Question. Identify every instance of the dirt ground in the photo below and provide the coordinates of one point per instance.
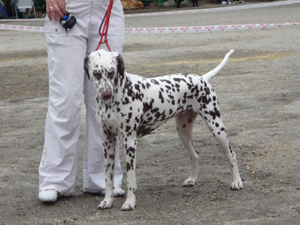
(258, 90)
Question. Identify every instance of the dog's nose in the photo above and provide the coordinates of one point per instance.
(106, 95)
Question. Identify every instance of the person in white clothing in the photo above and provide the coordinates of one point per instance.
(67, 84)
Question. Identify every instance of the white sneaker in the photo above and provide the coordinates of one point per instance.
(48, 196)
(118, 192)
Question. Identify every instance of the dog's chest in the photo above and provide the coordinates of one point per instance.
(115, 116)
(107, 121)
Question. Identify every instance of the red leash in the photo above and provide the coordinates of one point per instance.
(103, 30)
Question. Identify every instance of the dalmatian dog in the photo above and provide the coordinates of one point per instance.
(130, 106)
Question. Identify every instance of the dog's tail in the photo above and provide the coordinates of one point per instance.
(216, 70)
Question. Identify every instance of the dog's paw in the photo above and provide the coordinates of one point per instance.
(237, 185)
(105, 204)
(129, 204)
(189, 182)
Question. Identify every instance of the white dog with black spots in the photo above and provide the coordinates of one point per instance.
(131, 106)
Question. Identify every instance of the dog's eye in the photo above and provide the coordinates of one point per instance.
(97, 75)
(110, 75)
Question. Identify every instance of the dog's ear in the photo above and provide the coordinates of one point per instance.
(121, 66)
(85, 66)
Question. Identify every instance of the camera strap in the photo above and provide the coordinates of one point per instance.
(103, 30)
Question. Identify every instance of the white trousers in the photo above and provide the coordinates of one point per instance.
(67, 82)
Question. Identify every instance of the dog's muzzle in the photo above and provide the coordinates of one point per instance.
(105, 95)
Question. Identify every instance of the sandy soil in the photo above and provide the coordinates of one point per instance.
(258, 91)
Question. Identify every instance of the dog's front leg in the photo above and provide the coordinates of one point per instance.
(109, 145)
(130, 147)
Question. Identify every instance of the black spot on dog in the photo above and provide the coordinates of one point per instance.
(127, 129)
(154, 81)
(215, 113)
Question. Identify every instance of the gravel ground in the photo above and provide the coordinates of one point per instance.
(258, 91)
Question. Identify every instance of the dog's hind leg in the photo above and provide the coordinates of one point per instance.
(212, 117)
(184, 125)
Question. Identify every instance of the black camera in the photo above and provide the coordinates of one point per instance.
(68, 21)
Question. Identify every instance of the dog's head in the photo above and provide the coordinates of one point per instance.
(103, 68)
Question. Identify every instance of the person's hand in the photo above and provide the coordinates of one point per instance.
(55, 9)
